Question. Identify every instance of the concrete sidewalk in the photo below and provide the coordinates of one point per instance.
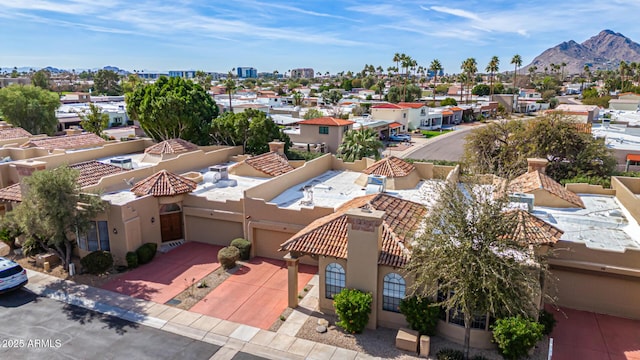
(233, 337)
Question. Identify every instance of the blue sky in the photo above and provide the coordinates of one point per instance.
(268, 35)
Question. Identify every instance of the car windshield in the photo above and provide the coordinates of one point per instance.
(11, 271)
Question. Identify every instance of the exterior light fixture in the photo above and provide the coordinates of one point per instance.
(153, 219)
(115, 231)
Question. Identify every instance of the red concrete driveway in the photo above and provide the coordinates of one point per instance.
(590, 336)
(255, 295)
(168, 274)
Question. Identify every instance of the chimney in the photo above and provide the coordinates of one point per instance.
(537, 164)
(364, 243)
(277, 146)
(25, 168)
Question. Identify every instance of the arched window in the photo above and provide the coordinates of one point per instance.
(334, 280)
(393, 290)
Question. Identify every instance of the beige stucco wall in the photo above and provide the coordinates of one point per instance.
(584, 188)
(243, 169)
(545, 198)
(310, 134)
(627, 191)
(480, 339)
(211, 230)
(596, 280)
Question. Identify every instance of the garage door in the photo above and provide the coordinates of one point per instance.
(212, 231)
(598, 292)
(267, 243)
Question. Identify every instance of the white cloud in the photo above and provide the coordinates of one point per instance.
(456, 12)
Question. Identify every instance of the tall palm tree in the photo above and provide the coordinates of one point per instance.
(470, 67)
(562, 65)
(435, 67)
(462, 78)
(492, 68)
(357, 144)
(516, 60)
(230, 88)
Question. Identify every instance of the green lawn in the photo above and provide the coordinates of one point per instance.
(433, 133)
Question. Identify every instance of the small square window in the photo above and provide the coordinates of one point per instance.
(323, 130)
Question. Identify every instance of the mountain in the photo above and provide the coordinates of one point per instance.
(603, 51)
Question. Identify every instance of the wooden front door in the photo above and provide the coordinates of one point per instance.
(171, 226)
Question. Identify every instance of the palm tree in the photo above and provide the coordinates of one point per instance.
(562, 65)
(532, 72)
(462, 78)
(230, 88)
(357, 144)
(516, 60)
(470, 67)
(435, 67)
(492, 68)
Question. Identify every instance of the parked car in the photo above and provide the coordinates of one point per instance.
(12, 275)
(400, 137)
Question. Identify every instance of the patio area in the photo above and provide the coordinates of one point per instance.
(168, 274)
(586, 335)
(256, 294)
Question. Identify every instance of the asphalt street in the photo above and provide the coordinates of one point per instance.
(448, 148)
(40, 328)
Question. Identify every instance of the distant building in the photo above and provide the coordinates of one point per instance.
(247, 72)
(150, 75)
(185, 74)
(306, 73)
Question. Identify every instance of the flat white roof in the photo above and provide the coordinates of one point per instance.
(119, 197)
(228, 191)
(136, 160)
(603, 225)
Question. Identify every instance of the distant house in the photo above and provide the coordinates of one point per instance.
(324, 131)
(411, 116)
(581, 113)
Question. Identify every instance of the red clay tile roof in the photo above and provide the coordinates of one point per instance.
(271, 163)
(535, 180)
(455, 108)
(13, 133)
(171, 146)
(92, 171)
(327, 236)
(163, 183)
(387, 106)
(447, 112)
(66, 142)
(11, 193)
(390, 167)
(394, 125)
(411, 105)
(327, 121)
(534, 231)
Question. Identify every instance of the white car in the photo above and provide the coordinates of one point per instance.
(12, 275)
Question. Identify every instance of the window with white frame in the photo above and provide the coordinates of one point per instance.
(96, 237)
(393, 291)
(334, 279)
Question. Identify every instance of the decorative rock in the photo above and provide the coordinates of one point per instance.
(323, 322)
(321, 329)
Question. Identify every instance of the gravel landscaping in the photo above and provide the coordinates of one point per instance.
(381, 342)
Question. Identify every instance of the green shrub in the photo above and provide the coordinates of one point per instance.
(244, 246)
(547, 320)
(353, 308)
(515, 336)
(146, 252)
(132, 260)
(97, 262)
(421, 314)
(450, 354)
(228, 256)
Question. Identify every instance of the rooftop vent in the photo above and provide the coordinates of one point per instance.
(218, 176)
(122, 162)
(527, 199)
(307, 200)
(376, 184)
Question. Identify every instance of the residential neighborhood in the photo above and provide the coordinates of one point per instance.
(488, 209)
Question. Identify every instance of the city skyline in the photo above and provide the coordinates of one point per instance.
(327, 36)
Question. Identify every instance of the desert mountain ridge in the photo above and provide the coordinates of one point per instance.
(603, 51)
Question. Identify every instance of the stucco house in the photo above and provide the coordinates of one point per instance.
(325, 131)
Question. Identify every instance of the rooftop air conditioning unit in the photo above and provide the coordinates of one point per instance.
(376, 184)
(528, 199)
(222, 170)
(122, 162)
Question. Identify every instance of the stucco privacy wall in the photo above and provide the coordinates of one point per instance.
(180, 164)
(56, 158)
(627, 192)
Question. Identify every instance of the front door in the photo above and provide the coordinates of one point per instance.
(171, 226)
